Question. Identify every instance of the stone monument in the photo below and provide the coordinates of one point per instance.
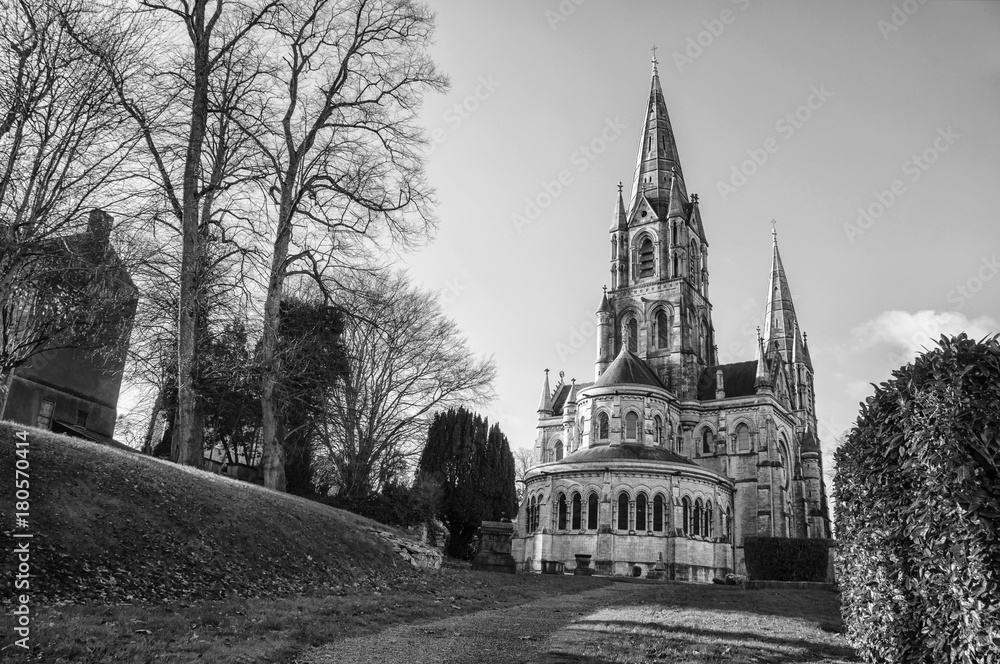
(494, 547)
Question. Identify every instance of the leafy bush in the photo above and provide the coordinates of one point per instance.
(786, 559)
(918, 511)
(397, 505)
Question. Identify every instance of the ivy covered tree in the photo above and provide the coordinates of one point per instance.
(471, 464)
(312, 362)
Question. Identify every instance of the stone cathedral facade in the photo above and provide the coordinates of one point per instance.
(669, 459)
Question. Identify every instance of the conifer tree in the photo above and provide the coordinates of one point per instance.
(472, 464)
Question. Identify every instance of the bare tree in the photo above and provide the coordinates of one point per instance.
(62, 141)
(169, 96)
(406, 360)
(338, 144)
(522, 462)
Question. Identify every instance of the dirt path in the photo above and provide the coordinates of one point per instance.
(501, 636)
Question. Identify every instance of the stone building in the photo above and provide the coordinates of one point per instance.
(669, 456)
(72, 389)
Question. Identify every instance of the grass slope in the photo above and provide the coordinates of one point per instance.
(115, 526)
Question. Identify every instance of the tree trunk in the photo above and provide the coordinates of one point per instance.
(272, 448)
(189, 445)
(147, 440)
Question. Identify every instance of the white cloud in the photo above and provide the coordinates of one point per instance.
(908, 334)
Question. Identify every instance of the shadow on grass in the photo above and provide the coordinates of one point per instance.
(672, 633)
(819, 606)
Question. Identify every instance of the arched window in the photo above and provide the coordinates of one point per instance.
(783, 453)
(706, 441)
(559, 450)
(703, 339)
(696, 518)
(728, 524)
(579, 436)
(640, 512)
(646, 262)
(631, 425)
(742, 438)
(658, 430)
(693, 261)
(674, 230)
(662, 330)
(577, 508)
(614, 248)
(633, 335)
(623, 511)
(686, 515)
(530, 526)
(602, 426)
(707, 530)
(592, 512)
(562, 512)
(677, 262)
(658, 513)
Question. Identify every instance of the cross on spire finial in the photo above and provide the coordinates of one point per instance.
(774, 231)
(619, 187)
(653, 60)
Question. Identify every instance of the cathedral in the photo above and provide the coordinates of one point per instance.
(668, 459)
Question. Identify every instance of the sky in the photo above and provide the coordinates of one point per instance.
(870, 132)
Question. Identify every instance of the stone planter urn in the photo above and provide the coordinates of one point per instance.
(583, 567)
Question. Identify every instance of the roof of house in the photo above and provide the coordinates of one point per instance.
(737, 380)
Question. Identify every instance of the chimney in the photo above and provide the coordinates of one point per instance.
(99, 228)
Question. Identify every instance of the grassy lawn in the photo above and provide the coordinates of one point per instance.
(687, 623)
(274, 630)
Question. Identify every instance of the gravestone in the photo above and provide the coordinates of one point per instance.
(494, 548)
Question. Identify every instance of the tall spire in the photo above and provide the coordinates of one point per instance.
(779, 313)
(657, 153)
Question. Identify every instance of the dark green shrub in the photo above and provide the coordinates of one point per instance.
(786, 559)
(918, 511)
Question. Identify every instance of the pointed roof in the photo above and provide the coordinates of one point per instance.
(805, 351)
(619, 221)
(545, 403)
(657, 153)
(628, 368)
(779, 313)
(605, 307)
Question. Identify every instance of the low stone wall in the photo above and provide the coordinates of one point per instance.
(418, 555)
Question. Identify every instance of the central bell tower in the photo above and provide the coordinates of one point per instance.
(659, 265)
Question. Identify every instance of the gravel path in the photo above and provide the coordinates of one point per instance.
(503, 636)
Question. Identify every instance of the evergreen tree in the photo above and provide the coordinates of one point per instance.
(473, 467)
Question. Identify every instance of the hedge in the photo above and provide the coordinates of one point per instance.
(918, 511)
(786, 559)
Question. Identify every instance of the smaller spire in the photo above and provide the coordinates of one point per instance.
(545, 403)
(762, 381)
(571, 397)
(805, 351)
(620, 221)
